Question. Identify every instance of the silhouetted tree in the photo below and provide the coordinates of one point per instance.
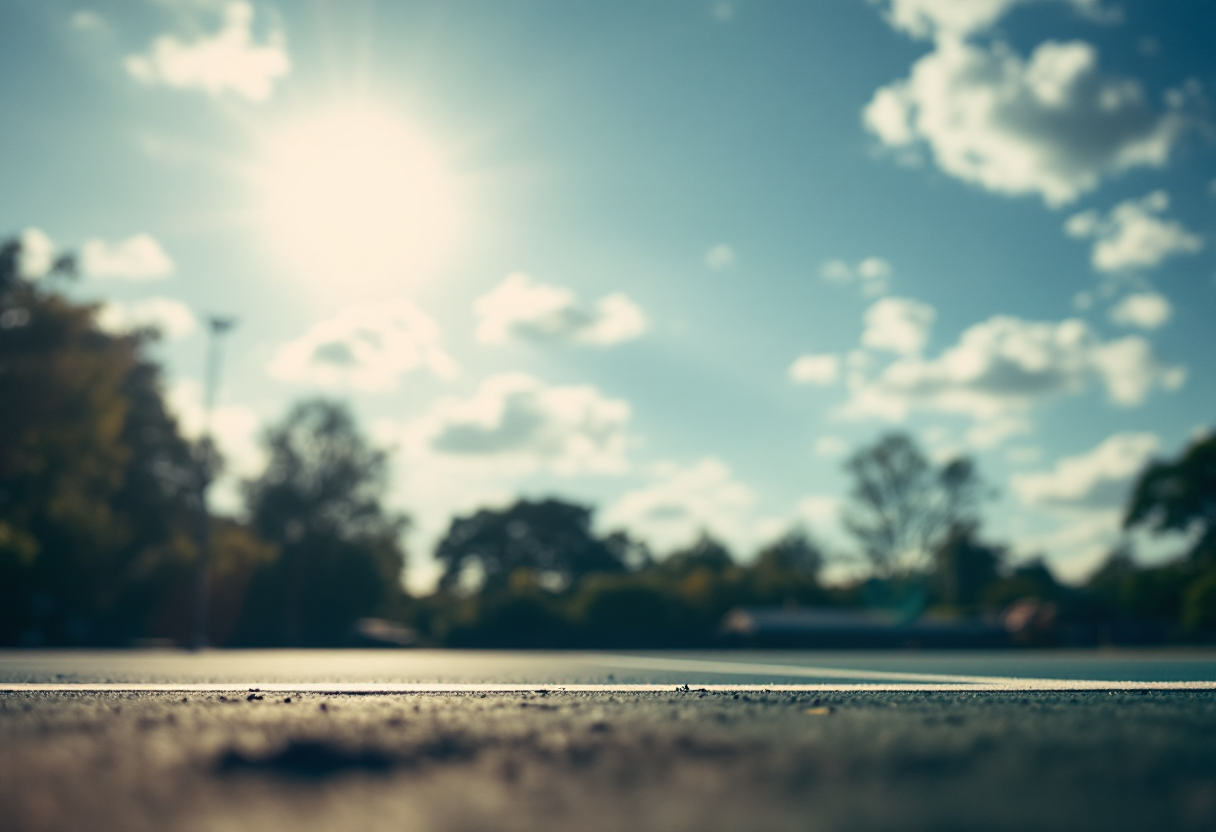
(964, 566)
(1030, 579)
(903, 506)
(1180, 496)
(705, 554)
(794, 552)
(320, 501)
(97, 486)
(549, 537)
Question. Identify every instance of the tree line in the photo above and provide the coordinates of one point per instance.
(100, 515)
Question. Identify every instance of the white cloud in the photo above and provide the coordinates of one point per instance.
(521, 308)
(898, 325)
(234, 429)
(518, 422)
(1078, 546)
(1052, 125)
(1131, 236)
(37, 256)
(960, 18)
(720, 257)
(831, 446)
(873, 274)
(365, 347)
(1147, 310)
(682, 502)
(723, 11)
(816, 369)
(139, 257)
(172, 317)
(1001, 368)
(228, 61)
(1099, 479)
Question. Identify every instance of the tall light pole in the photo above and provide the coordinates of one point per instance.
(217, 327)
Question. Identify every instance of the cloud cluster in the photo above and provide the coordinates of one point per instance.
(898, 325)
(1146, 310)
(365, 347)
(1052, 125)
(139, 257)
(523, 309)
(172, 317)
(683, 501)
(1132, 236)
(960, 18)
(228, 61)
(517, 421)
(1099, 479)
(873, 274)
(1000, 368)
(815, 369)
(37, 256)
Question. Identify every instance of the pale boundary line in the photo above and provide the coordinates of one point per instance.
(365, 688)
(755, 669)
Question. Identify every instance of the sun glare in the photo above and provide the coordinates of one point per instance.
(354, 196)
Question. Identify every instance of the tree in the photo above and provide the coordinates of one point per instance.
(320, 501)
(964, 566)
(706, 554)
(97, 486)
(904, 507)
(1180, 496)
(794, 552)
(551, 537)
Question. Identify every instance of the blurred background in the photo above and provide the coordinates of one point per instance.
(847, 323)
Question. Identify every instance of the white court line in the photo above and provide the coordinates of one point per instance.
(793, 670)
(787, 670)
(1009, 685)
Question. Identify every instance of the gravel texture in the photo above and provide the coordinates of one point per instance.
(680, 760)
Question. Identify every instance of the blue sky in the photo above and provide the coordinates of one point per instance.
(676, 259)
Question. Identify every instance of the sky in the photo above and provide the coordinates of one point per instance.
(675, 260)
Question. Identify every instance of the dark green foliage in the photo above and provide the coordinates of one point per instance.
(705, 555)
(340, 553)
(1124, 589)
(98, 489)
(794, 553)
(964, 566)
(550, 537)
(1180, 496)
(1031, 579)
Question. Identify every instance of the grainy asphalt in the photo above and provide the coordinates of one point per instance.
(598, 761)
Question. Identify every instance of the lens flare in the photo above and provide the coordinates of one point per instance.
(354, 196)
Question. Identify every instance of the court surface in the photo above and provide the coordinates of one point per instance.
(438, 670)
(457, 741)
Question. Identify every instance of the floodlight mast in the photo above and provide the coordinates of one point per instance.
(217, 327)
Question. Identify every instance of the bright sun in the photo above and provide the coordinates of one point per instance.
(353, 196)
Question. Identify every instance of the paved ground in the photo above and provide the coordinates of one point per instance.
(975, 756)
(600, 761)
